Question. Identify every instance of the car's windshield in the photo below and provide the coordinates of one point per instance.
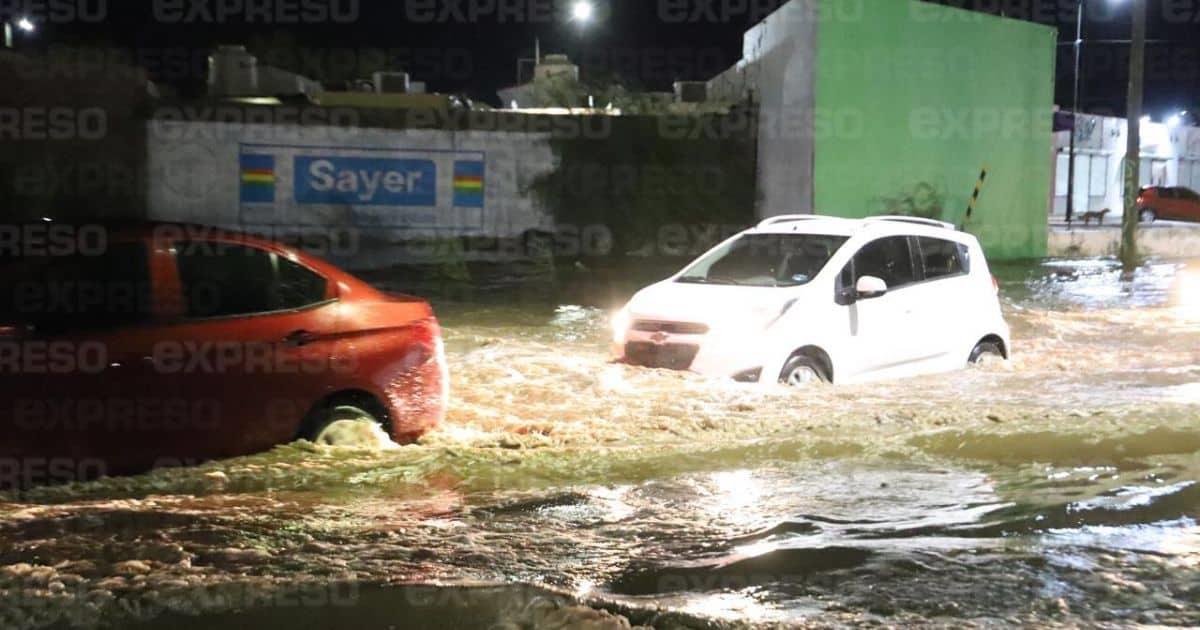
(765, 260)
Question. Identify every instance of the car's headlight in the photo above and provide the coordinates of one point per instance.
(620, 325)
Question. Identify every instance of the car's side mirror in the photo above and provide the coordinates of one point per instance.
(870, 287)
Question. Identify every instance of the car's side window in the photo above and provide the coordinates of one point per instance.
(298, 286)
(80, 292)
(888, 259)
(1188, 194)
(229, 279)
(941, 258)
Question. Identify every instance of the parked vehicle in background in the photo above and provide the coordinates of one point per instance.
(800, 299)
(1169, 204)
(175, 344)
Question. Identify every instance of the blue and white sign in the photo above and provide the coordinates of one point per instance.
(365, 181)
(365, 186)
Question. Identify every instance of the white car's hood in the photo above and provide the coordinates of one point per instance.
(712, 304)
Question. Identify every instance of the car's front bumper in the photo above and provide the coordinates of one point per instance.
(714, 354)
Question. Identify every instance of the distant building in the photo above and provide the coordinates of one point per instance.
(1170, 156)
(235, 73)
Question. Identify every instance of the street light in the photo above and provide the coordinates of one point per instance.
(23, 23)
(582, 11)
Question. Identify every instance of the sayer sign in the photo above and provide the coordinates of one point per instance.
(362, 181)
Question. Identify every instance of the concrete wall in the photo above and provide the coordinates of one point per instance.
(931, 95)
(261, 177)
(777, 72)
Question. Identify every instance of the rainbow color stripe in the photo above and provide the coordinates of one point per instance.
(257, 178)
(468, 184)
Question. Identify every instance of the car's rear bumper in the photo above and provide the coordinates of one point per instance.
(418, 395)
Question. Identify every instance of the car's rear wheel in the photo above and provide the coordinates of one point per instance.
(986, 352)
(803, 371)
(347, 425)
(1148, 215)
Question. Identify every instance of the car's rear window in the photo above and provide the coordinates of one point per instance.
(942, 258)
(229, 279)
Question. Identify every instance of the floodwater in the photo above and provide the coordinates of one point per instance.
(1062, 488)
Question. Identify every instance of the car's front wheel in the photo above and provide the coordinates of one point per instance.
(1148, 215)
(985, 352)
(803, 371)
(347, 426)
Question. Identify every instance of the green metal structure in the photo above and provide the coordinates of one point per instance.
(914, 100)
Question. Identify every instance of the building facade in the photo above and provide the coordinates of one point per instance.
(1170, 156)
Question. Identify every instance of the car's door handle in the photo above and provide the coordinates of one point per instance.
(299, 338)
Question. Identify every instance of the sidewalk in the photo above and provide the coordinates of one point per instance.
(1166, 239)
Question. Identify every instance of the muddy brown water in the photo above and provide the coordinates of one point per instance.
(564, 491)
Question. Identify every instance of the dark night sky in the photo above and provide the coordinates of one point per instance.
(632, 41)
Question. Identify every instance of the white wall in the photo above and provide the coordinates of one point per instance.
(778, 70)
(195, 176)
(1170, 157)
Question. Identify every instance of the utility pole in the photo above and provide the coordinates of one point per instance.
(1074, 116)
(1133, 161)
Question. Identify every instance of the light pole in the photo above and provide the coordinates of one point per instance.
(1133, 148)
(1074, 115)
(24, 23)
(1081, 6)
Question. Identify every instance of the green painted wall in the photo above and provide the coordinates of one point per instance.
(913, 99)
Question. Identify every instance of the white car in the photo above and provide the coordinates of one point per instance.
(801, 299)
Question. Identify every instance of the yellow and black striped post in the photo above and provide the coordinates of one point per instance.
(978, 189)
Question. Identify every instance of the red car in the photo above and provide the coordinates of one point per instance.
(1172, 204)
(167, 344)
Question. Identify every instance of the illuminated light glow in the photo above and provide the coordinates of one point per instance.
(735, 495)
(25, 24)
(754, 550)
(735, 606)
(615, 507)
(1174, 121)
(582, 11)
(1186, 295)
(620, 325)
(612, 379)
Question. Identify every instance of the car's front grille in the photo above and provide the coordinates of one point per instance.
(674, 328)
(671, 356)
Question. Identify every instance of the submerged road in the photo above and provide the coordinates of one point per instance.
(565, 491)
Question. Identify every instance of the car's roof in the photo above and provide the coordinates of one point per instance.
(144, 230)
(871, 226)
